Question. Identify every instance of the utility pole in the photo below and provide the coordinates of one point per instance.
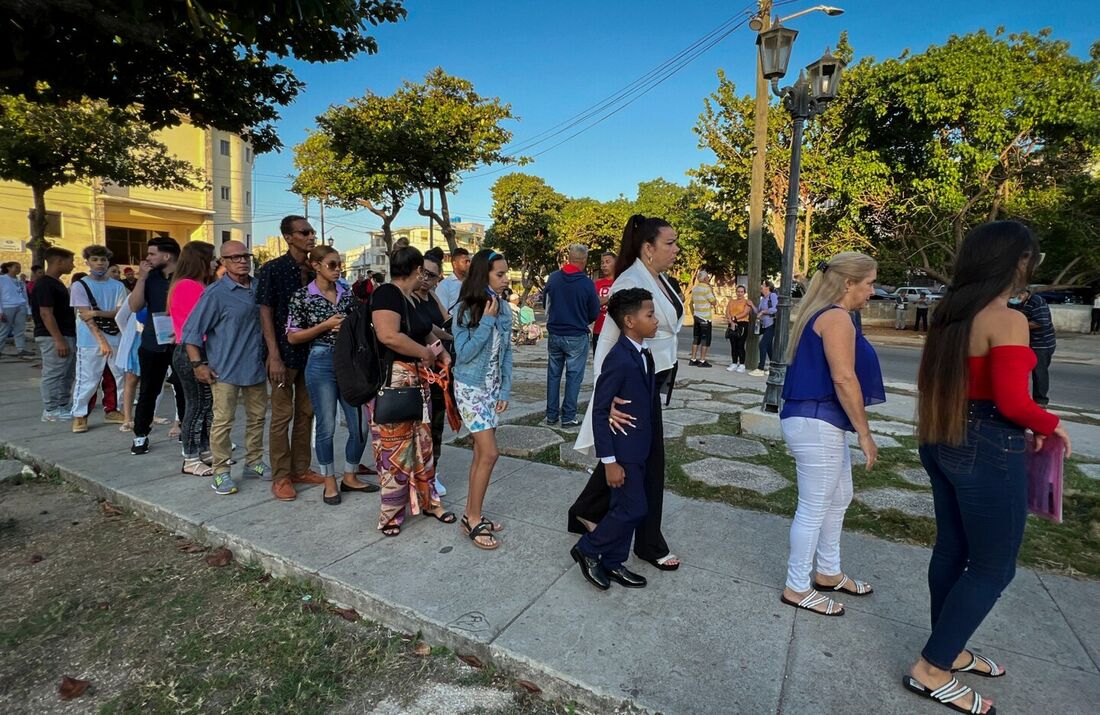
(756, 190)
(322, 203)
(431, 221)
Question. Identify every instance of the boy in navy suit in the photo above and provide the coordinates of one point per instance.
(627, 372)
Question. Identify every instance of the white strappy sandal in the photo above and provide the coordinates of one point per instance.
(814, 599)
(861, 588)
(947, 694)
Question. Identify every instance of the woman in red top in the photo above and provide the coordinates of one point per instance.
(973, 410)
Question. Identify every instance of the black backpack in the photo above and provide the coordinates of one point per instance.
(355, 358)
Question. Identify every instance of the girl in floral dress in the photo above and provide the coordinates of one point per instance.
(482, 379)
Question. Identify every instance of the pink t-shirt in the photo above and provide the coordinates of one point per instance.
(185, 295)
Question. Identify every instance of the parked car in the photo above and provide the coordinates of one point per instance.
(881, 294)
(913, 293)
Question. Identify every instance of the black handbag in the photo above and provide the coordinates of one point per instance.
(398, 404)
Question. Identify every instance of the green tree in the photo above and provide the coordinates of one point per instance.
(46, 146)
(596, 224)
(525, 213)
(212, 61)
(345, 181)
(436, 130)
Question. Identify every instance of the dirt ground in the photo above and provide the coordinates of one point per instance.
(102, 596)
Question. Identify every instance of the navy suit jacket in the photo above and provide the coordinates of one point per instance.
(624, 375)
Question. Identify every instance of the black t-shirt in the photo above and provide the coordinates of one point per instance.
(156, 301)
(51, 293)
(414, 323)
(429, 309)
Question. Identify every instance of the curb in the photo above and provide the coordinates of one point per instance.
(404, 619)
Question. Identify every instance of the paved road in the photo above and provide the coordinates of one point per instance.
(1071, 385)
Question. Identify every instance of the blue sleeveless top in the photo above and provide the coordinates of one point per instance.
(809, 390)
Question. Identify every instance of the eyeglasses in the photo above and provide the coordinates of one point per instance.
(306, 232)
(429, 274)
(238, 258)
(333, 265)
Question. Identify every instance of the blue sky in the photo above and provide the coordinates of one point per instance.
(552, 60)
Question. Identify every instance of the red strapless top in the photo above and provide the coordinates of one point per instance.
(1004, 376)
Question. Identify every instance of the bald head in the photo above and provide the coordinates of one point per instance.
(236, 260)
(233, 247)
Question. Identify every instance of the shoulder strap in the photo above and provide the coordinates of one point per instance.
(91, 297)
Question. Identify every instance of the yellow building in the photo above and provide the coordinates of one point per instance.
(467, 235)
(125, 218)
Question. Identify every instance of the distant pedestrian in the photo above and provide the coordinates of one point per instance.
(128, 278)
(973, 408)
(225, 347)
(603, 292)
(1042, 340)
(923, 303)
(194, 272)
(703, 304)
(450, 287)
(291, 425)
(571, 306)
(55, 334)
(738, 317)
(901, 311)
(14, 308)
(483, 379)
(834, 374)
(96, 299)
(37, 272)
(316, 313)
(1094, 328)
(765, 325)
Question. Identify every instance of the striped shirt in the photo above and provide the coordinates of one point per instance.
(1038, 312)
(702, 301)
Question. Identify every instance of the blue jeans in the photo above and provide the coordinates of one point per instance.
(569, 352)
(323, 393)
(767, 339)
(980, 493)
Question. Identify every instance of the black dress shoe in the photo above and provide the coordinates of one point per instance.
(591, 569)
(625, 577)
(367, 487)
(334, 499)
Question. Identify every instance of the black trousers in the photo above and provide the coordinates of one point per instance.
(922, 317)
(595, 499)
(739, 337)
(1094, 327)
(154, 366)
(439, 413)
(1040, 377)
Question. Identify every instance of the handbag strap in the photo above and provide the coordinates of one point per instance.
(91, 297)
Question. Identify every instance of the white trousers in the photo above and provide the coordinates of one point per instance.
(89, 373)
(824, 467)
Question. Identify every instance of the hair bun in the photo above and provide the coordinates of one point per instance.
(637, 220)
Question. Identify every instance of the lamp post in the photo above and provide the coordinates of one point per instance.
(810, 95)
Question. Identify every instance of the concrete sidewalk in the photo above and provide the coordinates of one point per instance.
(711, 638)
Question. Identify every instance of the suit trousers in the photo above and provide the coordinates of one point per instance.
(290, 454)
(594, 502)
(225, 410)
(610, 541)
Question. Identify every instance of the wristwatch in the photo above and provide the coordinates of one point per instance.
(196, 363)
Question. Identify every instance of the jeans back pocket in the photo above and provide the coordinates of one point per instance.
(957, 460)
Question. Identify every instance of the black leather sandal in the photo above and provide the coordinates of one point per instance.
(483, 530)
(447, 517)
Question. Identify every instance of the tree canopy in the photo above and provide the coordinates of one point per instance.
(525, 214)
(217, 62)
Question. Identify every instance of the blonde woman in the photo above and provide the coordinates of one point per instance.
(833, 375)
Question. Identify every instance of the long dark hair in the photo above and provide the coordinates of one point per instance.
(987, 267)
(474, 294)
(194, 264)
(638, 230)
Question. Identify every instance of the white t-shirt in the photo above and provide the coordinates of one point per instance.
(109, 295)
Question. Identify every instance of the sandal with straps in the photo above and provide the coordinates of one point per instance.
(947, 694)
(391, 529)
(861, 588)
(995, 671)
(813, 599)
(197, 467)
(484, 529)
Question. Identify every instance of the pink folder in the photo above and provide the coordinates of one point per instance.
(1044, 478)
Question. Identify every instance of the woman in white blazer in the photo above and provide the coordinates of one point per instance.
(649, 249)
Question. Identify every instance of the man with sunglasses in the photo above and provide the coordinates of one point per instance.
(276, 281)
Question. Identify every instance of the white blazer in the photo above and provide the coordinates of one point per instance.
(663, 345)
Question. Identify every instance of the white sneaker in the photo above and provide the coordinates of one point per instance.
(740, 368)
(757, 373)
(439, 488)
(49, 416)
(732, 367)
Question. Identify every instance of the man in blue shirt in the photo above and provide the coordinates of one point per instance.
(227, 320)
(96, 298)
(1041, 338)
(571, 306)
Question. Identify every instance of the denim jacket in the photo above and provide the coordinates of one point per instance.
(473, 345)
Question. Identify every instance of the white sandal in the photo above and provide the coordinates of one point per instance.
(814, 599)
(197, 467)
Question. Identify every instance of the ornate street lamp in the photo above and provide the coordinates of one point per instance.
(816, 86)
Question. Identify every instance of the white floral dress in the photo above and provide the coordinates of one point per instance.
(477, 404)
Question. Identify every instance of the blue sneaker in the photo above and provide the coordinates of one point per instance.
(259, 470)
(223, 484)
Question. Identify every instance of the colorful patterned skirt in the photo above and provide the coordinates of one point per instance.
(403, 456)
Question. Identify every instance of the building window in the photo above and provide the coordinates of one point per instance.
(128, 244)
(248, 198)
(248, 155)
(225, 193)
(227, 236)
(53, 223)
(225, 147)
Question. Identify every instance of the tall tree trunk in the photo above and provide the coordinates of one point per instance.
(38, 243)
(387, 214)
(444, 220)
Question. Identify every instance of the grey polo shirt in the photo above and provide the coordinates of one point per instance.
(229, 318)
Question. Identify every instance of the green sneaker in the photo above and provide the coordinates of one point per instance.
(223, 484)
(259, 470)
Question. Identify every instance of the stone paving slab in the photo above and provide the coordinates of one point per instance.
(917, 477)
(724, 445)
(572, 457)
(522, 441)
(906, 501)
(688, 416)
(728, 473)
(896, 429)
(717, 406)
(883, 441)
(1092, 471)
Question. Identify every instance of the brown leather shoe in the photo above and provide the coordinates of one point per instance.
(283, 490)
(308, 477)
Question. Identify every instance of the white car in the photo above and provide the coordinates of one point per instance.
(913, 294)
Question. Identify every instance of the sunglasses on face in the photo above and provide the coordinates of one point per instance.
(333, 265)
(307, 232)
(238, 258)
